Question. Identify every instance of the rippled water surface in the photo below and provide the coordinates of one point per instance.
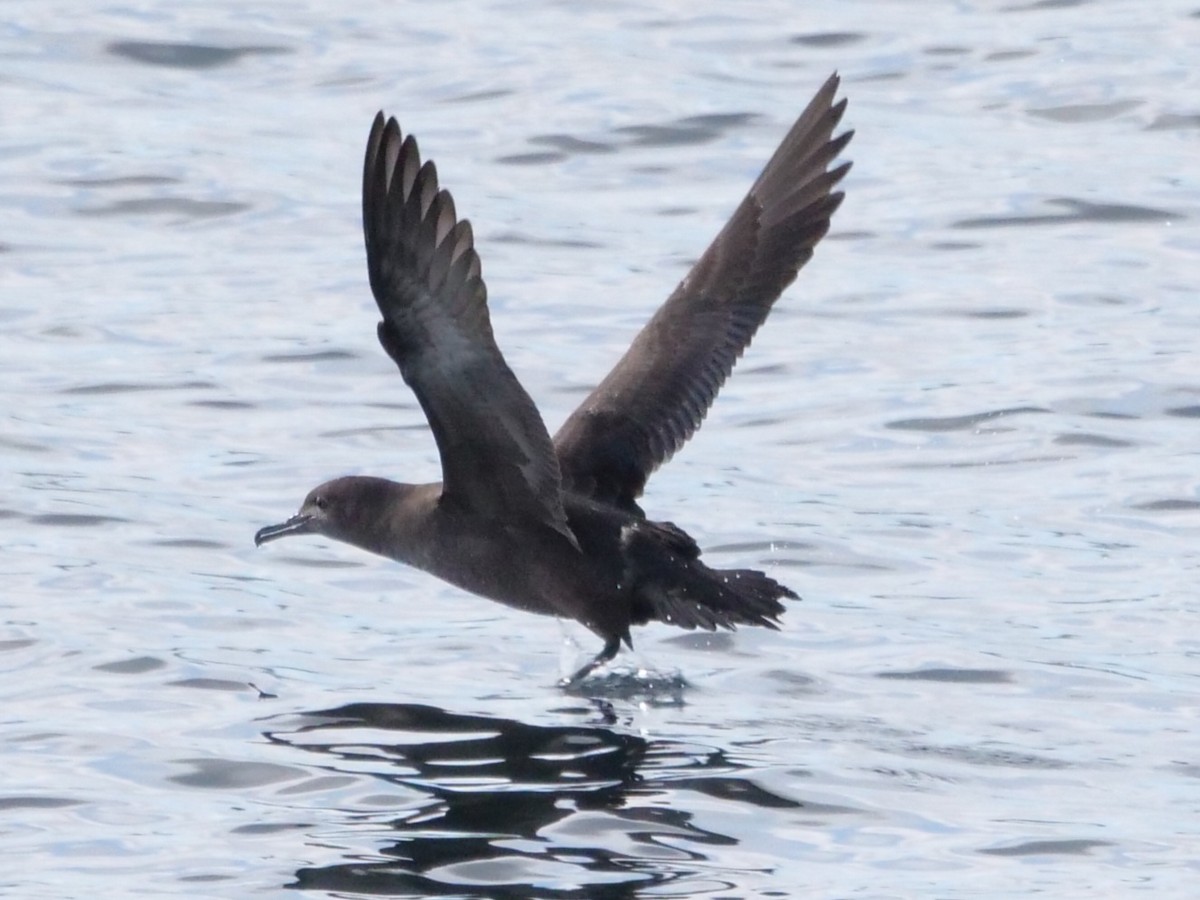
(967, 436)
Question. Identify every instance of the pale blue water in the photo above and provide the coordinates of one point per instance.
(967, 436)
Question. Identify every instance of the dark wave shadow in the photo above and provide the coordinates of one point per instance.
(508, 809)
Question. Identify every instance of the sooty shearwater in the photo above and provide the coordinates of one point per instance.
(553, 526)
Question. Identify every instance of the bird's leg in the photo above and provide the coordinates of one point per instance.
(611, 646)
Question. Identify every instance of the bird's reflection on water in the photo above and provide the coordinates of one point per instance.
(509, 809)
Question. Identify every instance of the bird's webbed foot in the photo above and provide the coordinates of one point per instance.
(611, 646)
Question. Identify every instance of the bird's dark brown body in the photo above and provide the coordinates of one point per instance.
(553, 526)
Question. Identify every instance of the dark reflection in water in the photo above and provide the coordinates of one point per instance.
(509, 809)
(1044, 848)
(183, 207)
(178, 55)
(1075, 211)
(952, 676)
(1085, 112)
(690, 130)
(828, 39)
(960, 423)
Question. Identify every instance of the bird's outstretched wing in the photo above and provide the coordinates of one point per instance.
(497, 458)
(657, 395)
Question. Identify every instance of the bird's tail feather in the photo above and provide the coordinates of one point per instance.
(718, 598)
(672, 585)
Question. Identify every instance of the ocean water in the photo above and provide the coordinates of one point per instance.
(967, 437)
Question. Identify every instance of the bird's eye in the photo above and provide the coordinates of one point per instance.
(321, 503)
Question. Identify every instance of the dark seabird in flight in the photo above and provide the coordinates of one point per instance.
(553, 526)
